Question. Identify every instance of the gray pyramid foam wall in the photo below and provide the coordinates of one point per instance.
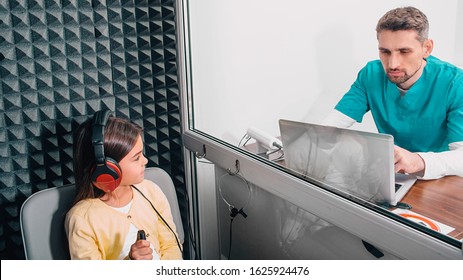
(63, 60)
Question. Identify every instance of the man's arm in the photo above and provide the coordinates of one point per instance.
(442, 164)
(338, 119)
(436, 165)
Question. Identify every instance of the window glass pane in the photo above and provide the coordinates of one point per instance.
(253, 63)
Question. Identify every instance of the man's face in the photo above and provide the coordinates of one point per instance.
(402, 56)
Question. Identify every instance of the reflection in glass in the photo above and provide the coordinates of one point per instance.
(337, 158)
(275, 228)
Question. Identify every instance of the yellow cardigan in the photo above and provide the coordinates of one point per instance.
(97, 231)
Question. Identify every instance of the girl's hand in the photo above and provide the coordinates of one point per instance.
(140, 250)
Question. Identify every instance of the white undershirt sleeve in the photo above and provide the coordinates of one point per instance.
(442, 164)
(338, 119)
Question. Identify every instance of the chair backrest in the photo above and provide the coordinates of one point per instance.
(164, 181)
(42, 223)
(42, 217)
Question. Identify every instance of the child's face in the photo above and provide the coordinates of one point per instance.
(133, 165)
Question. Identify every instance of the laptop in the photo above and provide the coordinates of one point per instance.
(357, 162)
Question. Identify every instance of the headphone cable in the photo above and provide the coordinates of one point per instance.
(175, 235)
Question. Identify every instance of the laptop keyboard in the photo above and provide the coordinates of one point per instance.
(397, 186)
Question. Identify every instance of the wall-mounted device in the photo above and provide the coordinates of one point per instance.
(265, 142)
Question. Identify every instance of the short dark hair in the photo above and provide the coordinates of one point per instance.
(405, 18)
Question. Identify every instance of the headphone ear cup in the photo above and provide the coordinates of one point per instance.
(107, 177)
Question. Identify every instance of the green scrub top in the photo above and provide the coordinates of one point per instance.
(427, 118)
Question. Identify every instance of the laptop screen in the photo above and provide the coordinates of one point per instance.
(356, 162)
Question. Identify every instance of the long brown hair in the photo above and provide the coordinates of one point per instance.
(120, 136)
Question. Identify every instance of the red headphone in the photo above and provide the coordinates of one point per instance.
(107, 173)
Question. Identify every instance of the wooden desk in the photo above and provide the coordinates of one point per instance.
(440, 200)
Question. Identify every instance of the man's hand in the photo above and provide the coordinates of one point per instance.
(141, 250)
(407, 162)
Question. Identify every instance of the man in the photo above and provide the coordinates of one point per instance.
(412, 95)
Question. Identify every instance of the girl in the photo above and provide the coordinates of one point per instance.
(113, 200)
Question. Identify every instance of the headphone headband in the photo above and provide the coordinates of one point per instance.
(99, 122)
(106, 174)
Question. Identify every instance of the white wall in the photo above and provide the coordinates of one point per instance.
(256, 61)
(459, 35)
